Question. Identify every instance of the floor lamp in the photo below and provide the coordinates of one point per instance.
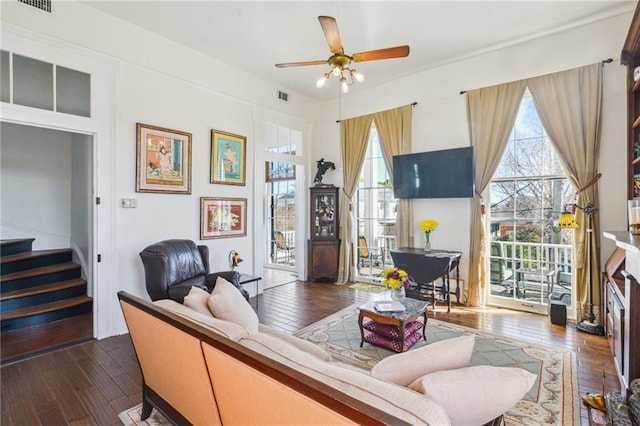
(567, 220)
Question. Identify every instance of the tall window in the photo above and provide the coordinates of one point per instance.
(530, 258)
(375, 214)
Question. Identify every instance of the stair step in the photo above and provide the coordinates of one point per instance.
(49, 293)
(47, 307)
(13, 246)
(42, 289)
(39, 276)
(34, 259)
(45, 313)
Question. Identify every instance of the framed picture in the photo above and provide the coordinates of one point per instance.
(223, 217)
(228, 158)
(163, 160)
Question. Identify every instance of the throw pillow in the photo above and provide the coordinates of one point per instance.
(402, 369)
(197, 300)
(227, 303)
(228, 329)
(484, 391)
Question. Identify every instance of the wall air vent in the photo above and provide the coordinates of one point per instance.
(39, 4)
(283, 96)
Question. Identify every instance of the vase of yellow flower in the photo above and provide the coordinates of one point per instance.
(396, 280)
(427, 226)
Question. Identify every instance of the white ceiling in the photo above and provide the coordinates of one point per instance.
(254, 36)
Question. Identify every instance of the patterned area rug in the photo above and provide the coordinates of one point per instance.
(553, 400)
(371, 288)
(131, 417)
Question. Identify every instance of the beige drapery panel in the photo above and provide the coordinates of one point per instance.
(570, 106)
(492, 114)
(354, 135)
(394, 129)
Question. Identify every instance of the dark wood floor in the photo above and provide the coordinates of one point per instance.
(92, 382)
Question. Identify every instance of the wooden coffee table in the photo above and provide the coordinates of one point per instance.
(414, 309)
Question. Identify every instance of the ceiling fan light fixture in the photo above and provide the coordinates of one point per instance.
(344, 84)
(357, 76)
(337, 71)
(323, 80)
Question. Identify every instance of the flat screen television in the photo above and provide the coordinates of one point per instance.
(447, 173)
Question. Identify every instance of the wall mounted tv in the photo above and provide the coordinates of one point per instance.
(448, 173)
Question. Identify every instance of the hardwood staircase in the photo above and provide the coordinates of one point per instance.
(43, 300)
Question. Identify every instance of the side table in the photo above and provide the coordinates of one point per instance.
(246, 279)
(389, 329)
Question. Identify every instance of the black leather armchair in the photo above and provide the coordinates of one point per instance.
(172, 267)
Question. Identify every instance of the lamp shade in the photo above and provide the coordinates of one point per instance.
(567, 221)
(234, 259)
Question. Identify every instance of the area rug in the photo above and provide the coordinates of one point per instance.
(131, 417)
(553, 400)
(371, 288)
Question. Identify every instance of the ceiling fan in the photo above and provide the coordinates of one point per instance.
(340, 62)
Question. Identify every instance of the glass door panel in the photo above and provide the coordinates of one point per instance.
(281, 215)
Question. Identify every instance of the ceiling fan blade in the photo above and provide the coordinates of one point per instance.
(388, 53)
(330, 30)
(301, 64)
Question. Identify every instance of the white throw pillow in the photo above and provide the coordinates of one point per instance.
(476, 395)
(197, 299)
(404, 368)
(227, 303)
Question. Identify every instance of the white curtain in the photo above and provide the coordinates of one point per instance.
(354, 134)
(492, 113)
(394, 130)
(570, 106)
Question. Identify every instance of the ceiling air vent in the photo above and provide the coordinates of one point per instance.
(283, 96)
(39, 4)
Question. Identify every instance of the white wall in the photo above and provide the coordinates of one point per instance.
(440, 118)
(82, 203)
(36, 185)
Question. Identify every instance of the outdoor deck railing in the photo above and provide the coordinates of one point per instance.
(516, 267)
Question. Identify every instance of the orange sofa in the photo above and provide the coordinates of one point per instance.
(205, 371)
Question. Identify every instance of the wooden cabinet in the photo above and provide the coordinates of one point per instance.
(324, 243)
(323, 260)
(630, 57)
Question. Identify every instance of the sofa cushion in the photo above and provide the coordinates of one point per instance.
(227, 329)
(197, 299)
(303, 345)
(392, 331)
(476, 395)
(396, 400)
(395, 345)
(402, 369)
(227, 303)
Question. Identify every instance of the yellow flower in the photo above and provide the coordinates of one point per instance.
(428, 225)
(395, 278)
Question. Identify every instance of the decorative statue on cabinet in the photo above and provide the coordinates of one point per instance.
(323, 166)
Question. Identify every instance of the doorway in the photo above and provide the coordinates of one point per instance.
(47, 180)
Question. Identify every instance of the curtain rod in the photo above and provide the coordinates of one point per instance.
(412, 104)
(604, 61)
